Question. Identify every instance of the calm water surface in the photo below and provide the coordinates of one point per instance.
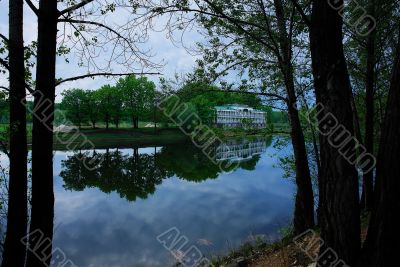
(111, 216)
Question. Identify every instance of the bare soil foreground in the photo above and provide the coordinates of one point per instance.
(275, 255)
(288, 252)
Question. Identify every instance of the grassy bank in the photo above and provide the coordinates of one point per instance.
(103, 138)
(287, 251)
(125, 136)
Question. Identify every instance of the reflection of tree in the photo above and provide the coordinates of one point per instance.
(250, 164)
(188, 162)
(136, 175)
(130, 176)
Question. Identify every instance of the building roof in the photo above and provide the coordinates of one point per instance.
(236, 107)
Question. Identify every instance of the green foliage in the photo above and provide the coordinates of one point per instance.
(4, 108)
(92, 107)
(278, 117)
(110, 104)
(75, 102)
(201, 98)
(287, 234)
(138, 95)
(131, 98)
(247, 123)
(135, 98)
(59, 116)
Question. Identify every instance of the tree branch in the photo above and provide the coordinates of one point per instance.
(279, 97)
(271, 36)
(106, 74)
(4, 148)
(4, 38)
(33, 7)
(5, 88)
(237, 23)
(303, 15)
(129, 43)
(4, 63)
(217, 12)
(229, 67)
(74, 7)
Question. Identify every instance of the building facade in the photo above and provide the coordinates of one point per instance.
(239, 116)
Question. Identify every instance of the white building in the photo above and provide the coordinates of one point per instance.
(235, 116)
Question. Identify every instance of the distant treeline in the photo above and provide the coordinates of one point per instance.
(133, 99)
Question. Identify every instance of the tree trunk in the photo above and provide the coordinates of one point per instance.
(42, 135)
(367, 199)
(14, 250)
(314, 137)
(382, 245)
(304, 205)
(155, 117)
(338, 184)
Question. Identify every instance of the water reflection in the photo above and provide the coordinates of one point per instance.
(172, 186)
(131, 176)
(240, 150)
(135, 175)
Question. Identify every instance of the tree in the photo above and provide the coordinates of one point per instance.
(382, 244)
(105, 97)
(368, 187)
(77, 105)
(370, 60)
(42, 213)
(137, 96)
(338, 183)
(91, 106)
(117, 106)
(81, 21)
(14, 250)
(110, 104)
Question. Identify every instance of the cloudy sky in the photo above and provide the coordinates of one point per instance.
(175, 57)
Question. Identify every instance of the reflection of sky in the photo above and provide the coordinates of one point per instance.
(96, 229)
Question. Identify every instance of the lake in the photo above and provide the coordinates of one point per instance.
(111, 216)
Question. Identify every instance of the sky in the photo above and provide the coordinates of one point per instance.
(175, 57)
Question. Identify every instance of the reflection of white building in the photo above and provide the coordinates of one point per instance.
(240, 150)
(234, 116)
